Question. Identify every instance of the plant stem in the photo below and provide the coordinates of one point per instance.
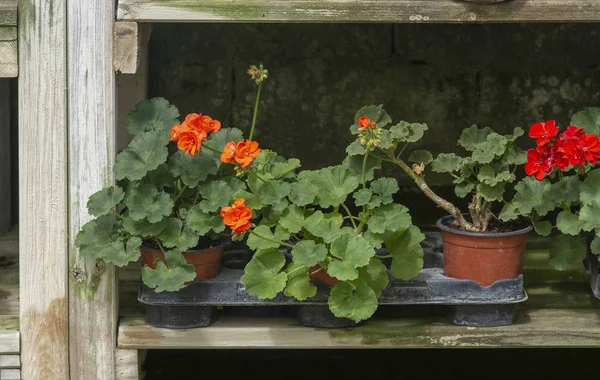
(196, 197)
(159, 245)
(401, 151)
(297, 269)
(350, 215)
(116, 214)
(317, 271)
(271, 240)
(180, 193)
(212, 149)
(382, 158)
(364, 168)
(384, 257)
(255, 112)
(257, 176)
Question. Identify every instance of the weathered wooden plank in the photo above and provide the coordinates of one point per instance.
(9, 300)
(5, 166)
(43, 189)
(92, 288)
(129, 364)
(10, 362)
(9, 342)
(8, 12)
(131, 40)
(421, 11)
(10, 374)
(536, 328)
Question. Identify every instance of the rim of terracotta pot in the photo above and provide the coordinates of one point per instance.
(441, 223)
(189, 250)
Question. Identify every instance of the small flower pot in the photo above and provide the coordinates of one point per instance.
(323, 277)
(482, 257)
(207, 262)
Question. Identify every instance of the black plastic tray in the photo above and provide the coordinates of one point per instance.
(592, 269)
(464, 301)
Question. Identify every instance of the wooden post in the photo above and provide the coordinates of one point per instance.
(5, 182)
(43, 189)
(92, 287)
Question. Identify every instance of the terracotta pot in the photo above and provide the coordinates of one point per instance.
(323, 277)
(482, 257)
(207, 262)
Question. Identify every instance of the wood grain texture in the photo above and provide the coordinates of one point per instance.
(8, 12)
(10, 374)
(419, 11)
(129, 364)
(92, 289)
(127, 47)
(9, 57)
(5, 166)
(9, 342)
(10, 362)
(43, 189)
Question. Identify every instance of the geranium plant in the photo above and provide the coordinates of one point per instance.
(171, 185)
(562, 187)
(483, 174)
(309, 215)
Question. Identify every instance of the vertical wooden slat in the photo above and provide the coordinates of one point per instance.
(43, 219)
(5, 183)
(92, 287)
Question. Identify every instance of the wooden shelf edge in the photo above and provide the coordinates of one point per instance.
(378, 11)
(535, 328)
(8, 12)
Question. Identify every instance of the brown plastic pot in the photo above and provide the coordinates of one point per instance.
(323, 277)
(206, 262)
(482, 257)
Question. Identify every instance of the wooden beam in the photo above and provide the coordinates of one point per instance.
(8, 12)
(93, 298)
(9, 342)
(10, 362)
(10, 374)
(9, 57)
(129, 364)
(407, 11)
(43, 189)
(131, 41)
(5, 162)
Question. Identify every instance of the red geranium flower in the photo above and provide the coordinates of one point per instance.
(561, 159)
(590, 147)
(544, 132)
(572, 133)
(540, 161)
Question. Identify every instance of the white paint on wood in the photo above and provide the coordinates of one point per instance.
(9, 342)
(43, 189)
(5, 163)
(92, 304)
(10, 361)
(405, 11)
(10, 374)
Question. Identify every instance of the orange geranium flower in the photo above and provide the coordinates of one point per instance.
(243, 153)
(176, 132)
(237, 217)
(190, 140)
(209, 125)
(364, 123)
(202, 123)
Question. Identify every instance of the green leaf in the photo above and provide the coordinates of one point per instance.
(385, 139)
(299, 285)
(386, 188)
(104, 201)
(154, 114)
(306, 252)
(215, 194)
(405, 248)
(265, 156)
(192, 170)
(145, 153)
(262, 275)
(488, 175)
(567, 189)
(533, 195)
(334, 184)
(491, 193)
(274, 191)
(352, 301)
(421, 156)
(374, 113)
(517, 132)
(303, 193)
(326, 227)
(392, 217)
(175, 235)
(121, 253)
(356, 148)
(94, 235)
(408, 132)
(170, 277)
(514, 155)
(142, 227)
(218, 140)
(588, 119)
(543, 228)
(566, 252)
(252, 200)
(446, 163)
(352, 252)
(283, 169)
(362, 197)
(256, 243)
(375, 239)
(589, 215)
(161, 177)
(595, 246)
(485, 152)
(234, 183)
(292, 219)
(568, 223)
(509, 212)
(589, 188)
(375, 275)
(356, 164)
(203, 222)
(473, 136)
(145, 202)
(281, 234)
(463, 189)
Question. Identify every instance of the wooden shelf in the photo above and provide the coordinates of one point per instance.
(8, 12)
(373, 11)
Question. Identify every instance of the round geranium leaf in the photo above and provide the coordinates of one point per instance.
(263, 276)
(356, 301)
(104, 201)
(566, 252)
(170, 277)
